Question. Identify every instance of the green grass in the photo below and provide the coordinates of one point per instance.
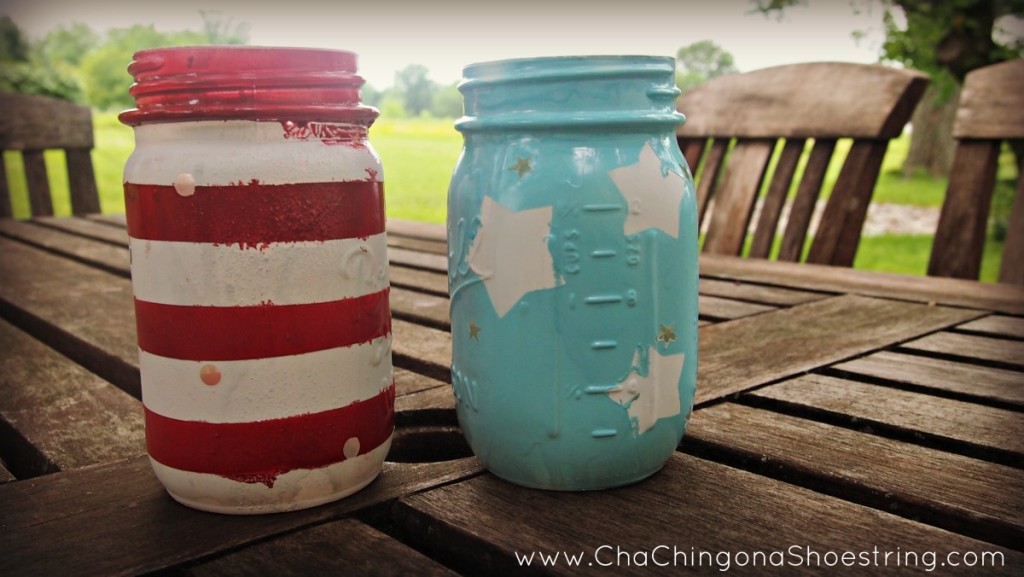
(419, 155)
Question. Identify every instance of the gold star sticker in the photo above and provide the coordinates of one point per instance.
(666, 334)
(522, 166)
(474, 331)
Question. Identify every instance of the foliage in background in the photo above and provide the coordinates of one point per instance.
(701, 61)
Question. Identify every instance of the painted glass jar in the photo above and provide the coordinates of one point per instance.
(572, 240)
(255, 211)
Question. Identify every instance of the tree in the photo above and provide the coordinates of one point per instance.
(701, 61)
(415, 88)
(946, 40)
(13, 47)
(447, 102)
(22, 71)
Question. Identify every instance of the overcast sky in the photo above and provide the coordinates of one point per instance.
(445, 35)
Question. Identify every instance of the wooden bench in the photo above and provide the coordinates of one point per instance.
(991, 111)
(33, 124)
(735, 124)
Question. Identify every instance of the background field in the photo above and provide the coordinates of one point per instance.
(419, 155)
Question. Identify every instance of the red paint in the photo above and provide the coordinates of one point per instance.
(205, 333)
(257, 452)
(328, 133)
(246, 82)
(255, 214)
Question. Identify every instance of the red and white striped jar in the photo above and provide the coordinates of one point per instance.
(255, 209)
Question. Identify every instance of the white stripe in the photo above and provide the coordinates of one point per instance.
(296, 489)
(206, 274)
(221, 153)
(269, 388)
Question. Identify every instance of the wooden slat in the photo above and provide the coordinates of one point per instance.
(418, 260)
(65, 416)
(82, 181)
(986, 431)
(838, 233)
(422, 281)
(963, 380)
(5, 190)
(749, 352)
(1012, 268)
(708, 177)
(86, 227)
(693, 150)
(727, 309)
(691, 506)
(972, 348)
(811, 99)
(422, 308)
(438, 400)
(769, 295)
(415, 229)
(994, 297)
(997, 325)
(421, 349)
(992, 102)
(38, 182)
(5, 475)
(960, 236)
(800, 212)
(32, 122)
(102, 255)
(980, 499)
(118, 520)
(775, 199)
(734, 198)
(82, 312)
(345, 547)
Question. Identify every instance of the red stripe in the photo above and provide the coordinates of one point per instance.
(258, 452)
(253, 332)
(256, 214)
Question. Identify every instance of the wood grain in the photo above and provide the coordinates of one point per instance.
(962, 380)
(986, 432)
(734, 198)
(980, 499)
(801, 210)
(32, 122)
(992, 102)
(56, 415)
(741, 354)
(996, 325)
(775, 199)
(345, 547)
(944, 291)
(815, 99)
(757, 293)
(998, 352)
(692, 505)
(117, 520)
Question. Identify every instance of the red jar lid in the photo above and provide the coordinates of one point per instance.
(248, 83)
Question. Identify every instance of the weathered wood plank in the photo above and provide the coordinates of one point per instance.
(980, 499)
(988, 432)
(734, 198)
(727, 309)
(963, 380)
(775, 199)
(84, 194)
(5, 475)
(691, 506)
(419, 260)
(996, 325)
(708, 176)
(1002, 352)
(345, 547)
(756, 293)
(60, 415)
(838, 233)
(944, 291)
(439, 401)
(415, 229)
(422, 308)
(39, 196)
(429, 282)
(38, 122)
(798, 222)
(816, 99)
(978, 115)
(1011, 270)
(80, 311)
(960, 235)
(118, 520)
(421, 349)
(87, 227)
(749, 352)
(102, 255)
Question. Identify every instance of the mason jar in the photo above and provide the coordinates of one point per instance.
(572, 269)
(255, 212)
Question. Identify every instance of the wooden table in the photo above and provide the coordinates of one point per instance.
(846, 422)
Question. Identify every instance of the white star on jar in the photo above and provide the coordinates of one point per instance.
(653, 195)
(510, 253)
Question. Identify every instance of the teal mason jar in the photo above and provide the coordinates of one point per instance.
(572, 269)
